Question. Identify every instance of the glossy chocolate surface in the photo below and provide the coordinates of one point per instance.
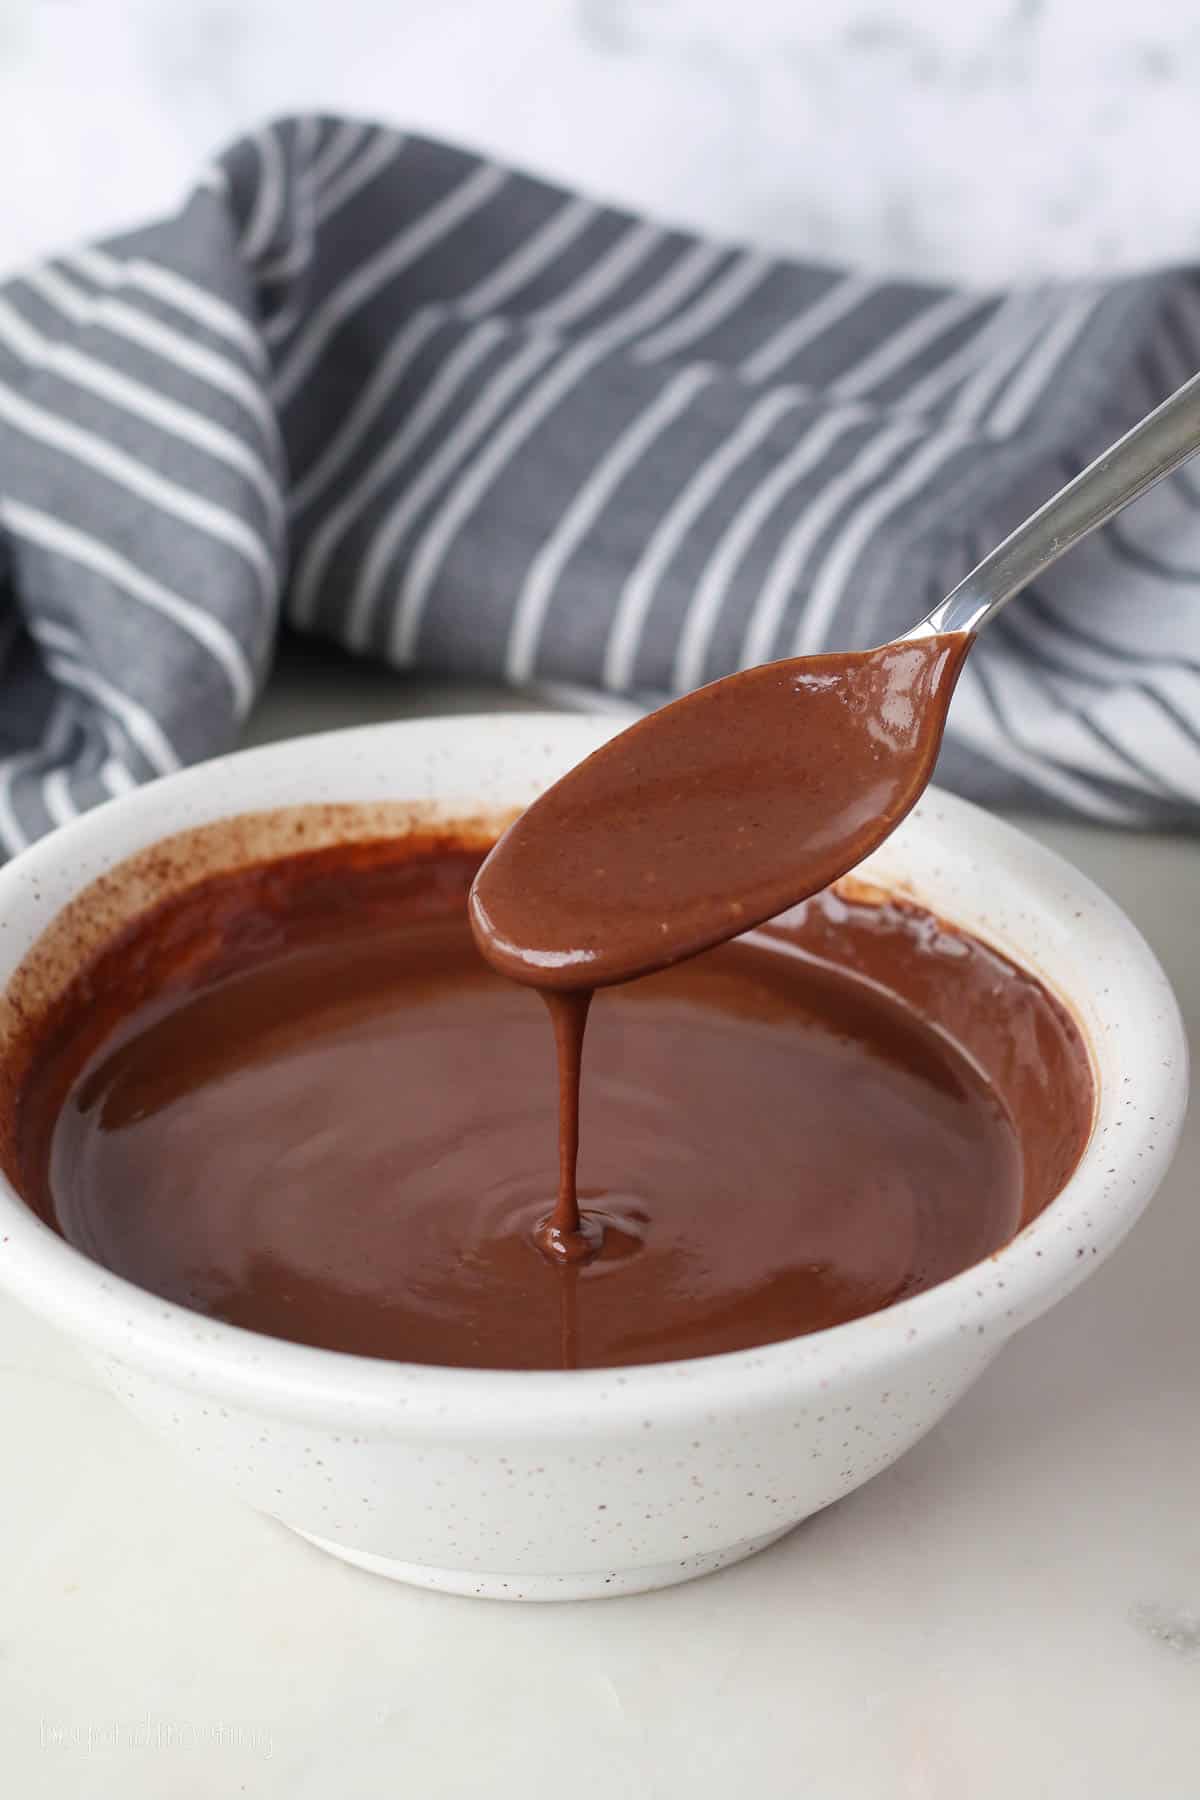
(295, 1098)
(714, 813)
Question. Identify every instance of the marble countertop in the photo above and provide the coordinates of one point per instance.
(1013, 1609)
(992, 141)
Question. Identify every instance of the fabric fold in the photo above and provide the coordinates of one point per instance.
(448, 415)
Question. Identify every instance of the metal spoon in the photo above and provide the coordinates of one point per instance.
(724, 808)
(1155, 447)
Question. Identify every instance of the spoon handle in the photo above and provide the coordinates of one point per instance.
(1155, 447)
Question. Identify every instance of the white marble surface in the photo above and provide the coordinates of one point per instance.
(990, 141)
(1012, 1610)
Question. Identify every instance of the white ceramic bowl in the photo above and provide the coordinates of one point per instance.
(564, 1485)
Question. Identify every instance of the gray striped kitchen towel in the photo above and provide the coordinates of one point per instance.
(450, 416)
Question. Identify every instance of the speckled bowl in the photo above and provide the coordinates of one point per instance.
(565, 1485)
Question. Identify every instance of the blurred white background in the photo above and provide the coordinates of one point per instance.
(992, 140)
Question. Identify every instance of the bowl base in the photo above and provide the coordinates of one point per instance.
(599, 1584)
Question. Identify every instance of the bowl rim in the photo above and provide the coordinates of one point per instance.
(1136, 1127)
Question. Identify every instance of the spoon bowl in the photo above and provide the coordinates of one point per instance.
(693, 825)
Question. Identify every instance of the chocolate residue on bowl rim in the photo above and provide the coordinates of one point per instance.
(115, 900)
